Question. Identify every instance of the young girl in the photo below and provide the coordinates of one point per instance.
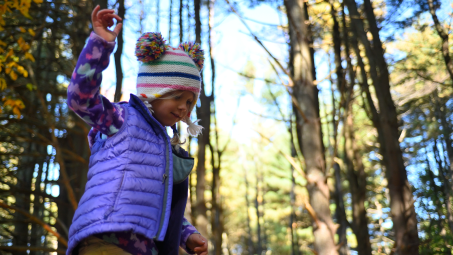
(137, 186)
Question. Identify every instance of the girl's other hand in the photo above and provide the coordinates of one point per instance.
(198, 244)
(102, 20)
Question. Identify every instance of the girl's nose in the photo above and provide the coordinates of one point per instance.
(183, 106)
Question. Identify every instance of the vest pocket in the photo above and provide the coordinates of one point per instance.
(112, 208)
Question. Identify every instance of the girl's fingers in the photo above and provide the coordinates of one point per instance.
(94, 13)
(118, 27)
(100, 15)
(113, 16)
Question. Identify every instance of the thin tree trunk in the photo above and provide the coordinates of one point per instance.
(353, 161)
(440, 111)
(292, 198)
(118, 53)
(446, 187)
(446, 191)
(24, 178)
(203, 113)
(357, 184)
(157, 15)
(38, 207)
(401, 198)
(340, 210)
(181, 29)
(249, 243)
(308, 132)
(216, 154)
(443, 36)
(170, 21)
(102, 3)
(259, 245)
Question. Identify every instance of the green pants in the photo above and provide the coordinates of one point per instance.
(96, 246)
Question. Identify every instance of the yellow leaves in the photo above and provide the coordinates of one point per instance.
(29, 56)
(24, 7)
(15, 104)
(19, 69)
(13, 75)
(9, 54)
(2, 84)
(24, 46)
(31, 32)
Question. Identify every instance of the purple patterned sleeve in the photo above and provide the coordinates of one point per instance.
(83, 91)
(187, 230)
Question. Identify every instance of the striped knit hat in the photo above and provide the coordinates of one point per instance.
(166, 69)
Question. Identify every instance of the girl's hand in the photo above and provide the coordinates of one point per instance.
(102, 20)
(198, 244)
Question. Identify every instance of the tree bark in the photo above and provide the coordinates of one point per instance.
(118, 53)
(203, 113)
(259, 245)
(352, 157)
(340, 209)
(357, 184)
(249, 243)
(308, 132)
(181, 30)
(401, 198)
(444, 37)
(170, 21)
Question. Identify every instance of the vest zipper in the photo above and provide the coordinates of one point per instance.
(164, 182)
(146, 114)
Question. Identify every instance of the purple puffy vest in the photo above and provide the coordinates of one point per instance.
(129, 186)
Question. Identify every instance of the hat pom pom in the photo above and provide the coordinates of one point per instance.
(150, 46)
(193, 129)
(194, 51)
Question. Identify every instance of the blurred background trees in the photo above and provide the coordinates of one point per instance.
(335, 138)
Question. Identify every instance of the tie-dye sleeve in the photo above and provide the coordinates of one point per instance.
(187, 230)
(83, 91)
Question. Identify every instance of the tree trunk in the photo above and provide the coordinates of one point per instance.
(203, 113)
(217, 225)
(181, 30)
(157, 14)
(308, 132)
(170, 21)
(118, 53)
(249, 243)
(340, 210)
(292, 197)
(357, 184)
(340, 213)
(24, 178)
(259, 245)
(443, 36)
(401, 198)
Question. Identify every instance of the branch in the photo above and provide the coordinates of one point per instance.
(260, 43)
(37, 221)
(293, 98)
(286, 156)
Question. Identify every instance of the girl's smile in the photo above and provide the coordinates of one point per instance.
(171, 109)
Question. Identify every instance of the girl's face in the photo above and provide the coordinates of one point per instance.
(171, 110)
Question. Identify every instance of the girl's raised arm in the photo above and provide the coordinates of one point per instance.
(83, 91)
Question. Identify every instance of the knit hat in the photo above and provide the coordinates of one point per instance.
(166, 69)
